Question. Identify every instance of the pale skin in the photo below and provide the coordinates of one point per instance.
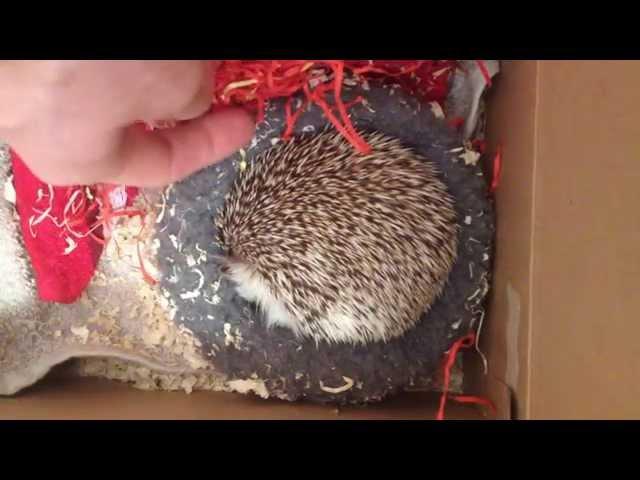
(71, 121)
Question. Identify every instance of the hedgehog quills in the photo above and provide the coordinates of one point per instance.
(339, 246)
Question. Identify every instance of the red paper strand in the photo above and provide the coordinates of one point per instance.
(497, 170)
(252, 83)
(464, 342)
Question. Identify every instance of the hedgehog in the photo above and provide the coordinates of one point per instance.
(338, 246)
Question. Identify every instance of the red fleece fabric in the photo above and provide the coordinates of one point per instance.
(59, 278)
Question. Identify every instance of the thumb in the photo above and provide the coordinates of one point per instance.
(153, 159)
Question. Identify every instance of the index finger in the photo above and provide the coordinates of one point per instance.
(151, 159)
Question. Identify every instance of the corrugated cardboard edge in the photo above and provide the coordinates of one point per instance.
(512, 114)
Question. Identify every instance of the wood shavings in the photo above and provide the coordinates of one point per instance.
(144, 378)
(137, 320)
(436, 109)
(315, 81)
(347, 386)
(163, 207)
(81, 332)
(475, 294)
(203, 255)
(249, 385)
(155, 337)
(470, 157)
(239, 84)
(33, 220)
(9, 191)
(75, 209)
(242, 165)
(437, 73)
(485, 363)
(351, 82)
(188, 383)
(230, 338)
(197, 291)
(19, 297)
(71, 245)
(214, 300)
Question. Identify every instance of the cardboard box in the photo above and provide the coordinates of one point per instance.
(560, 330)
(562, 326)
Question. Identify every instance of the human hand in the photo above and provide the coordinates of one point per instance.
(71, 121)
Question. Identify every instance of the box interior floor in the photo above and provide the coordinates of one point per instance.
(559, 334)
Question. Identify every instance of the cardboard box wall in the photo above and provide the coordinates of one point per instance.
(561, 329)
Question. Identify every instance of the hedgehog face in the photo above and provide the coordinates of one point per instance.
(338, 246)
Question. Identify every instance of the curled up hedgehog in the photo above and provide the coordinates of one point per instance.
(338, 246)
(328, 275)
